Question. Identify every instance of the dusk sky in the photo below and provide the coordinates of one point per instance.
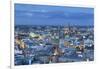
(30, 14)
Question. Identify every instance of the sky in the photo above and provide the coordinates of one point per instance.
(31, 14)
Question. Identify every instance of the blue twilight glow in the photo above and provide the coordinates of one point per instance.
(27, 14)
